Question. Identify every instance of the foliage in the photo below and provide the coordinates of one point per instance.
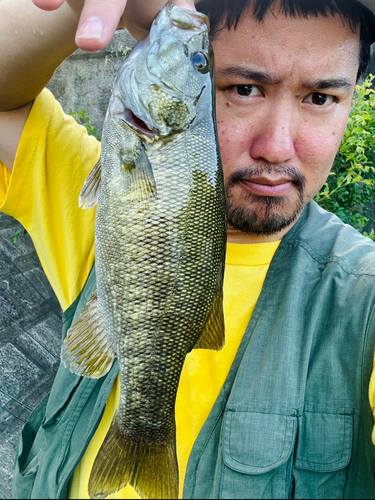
(82, 118)
(350, 187)
(17, 234)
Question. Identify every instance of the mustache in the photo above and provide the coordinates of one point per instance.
(288, 171)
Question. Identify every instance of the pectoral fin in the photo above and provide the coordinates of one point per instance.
(213, 335)
(140, 183)
(90, 191)
(86, 350)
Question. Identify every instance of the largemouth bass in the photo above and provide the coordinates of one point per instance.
(160, 241)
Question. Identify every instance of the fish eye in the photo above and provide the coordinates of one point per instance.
(200, 62)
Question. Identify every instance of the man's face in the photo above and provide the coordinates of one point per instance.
(284, 90)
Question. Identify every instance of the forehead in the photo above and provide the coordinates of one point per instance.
(283, 45)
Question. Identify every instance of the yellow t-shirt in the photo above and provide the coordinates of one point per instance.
(53, 160)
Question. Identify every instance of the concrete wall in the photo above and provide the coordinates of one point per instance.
(84, 80)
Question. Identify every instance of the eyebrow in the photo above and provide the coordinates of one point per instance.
(248, 74)
(334, 83)
(267, 78)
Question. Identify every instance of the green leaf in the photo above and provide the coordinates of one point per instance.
(17, 234)
(81, 118)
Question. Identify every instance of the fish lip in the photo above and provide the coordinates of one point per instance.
(200, 20)
(138, 124)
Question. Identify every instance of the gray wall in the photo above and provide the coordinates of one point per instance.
(84, 80)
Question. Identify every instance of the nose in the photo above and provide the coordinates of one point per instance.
(274, 140)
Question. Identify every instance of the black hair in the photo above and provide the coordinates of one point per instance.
(228, 13)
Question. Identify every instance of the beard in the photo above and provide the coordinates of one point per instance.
(264, 215)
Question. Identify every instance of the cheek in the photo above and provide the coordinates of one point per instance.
(226, 141)
(316, 152)
(233, 135)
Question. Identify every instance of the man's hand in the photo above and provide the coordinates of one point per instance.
(98, 19)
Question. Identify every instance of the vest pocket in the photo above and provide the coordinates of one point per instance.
(257, 451)
(323, 452)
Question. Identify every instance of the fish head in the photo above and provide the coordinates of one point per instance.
(167, 76)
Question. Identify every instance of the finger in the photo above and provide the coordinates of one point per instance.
(48, 4)
(185, 4)
(139, 15)
(98, 22)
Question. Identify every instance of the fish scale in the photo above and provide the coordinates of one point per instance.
(160, 241)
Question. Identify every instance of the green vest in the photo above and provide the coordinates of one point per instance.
(293, 418)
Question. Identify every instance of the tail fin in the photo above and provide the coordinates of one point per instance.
(151, 469)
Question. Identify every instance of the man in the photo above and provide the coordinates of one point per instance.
(283, 411)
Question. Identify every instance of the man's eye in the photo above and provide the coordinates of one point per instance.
(247, 90)
(320, 99)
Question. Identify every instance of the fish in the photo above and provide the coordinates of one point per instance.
(160, 243)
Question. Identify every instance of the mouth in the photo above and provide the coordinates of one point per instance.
(137, 124)
(268, 186)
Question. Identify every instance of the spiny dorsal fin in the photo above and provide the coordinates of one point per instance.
(90, 191)
(86, 350)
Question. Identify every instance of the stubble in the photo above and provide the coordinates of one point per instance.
(264, 215)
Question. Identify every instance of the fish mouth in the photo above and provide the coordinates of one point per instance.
(137, 124)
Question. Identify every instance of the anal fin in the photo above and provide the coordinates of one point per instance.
(86, 350)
